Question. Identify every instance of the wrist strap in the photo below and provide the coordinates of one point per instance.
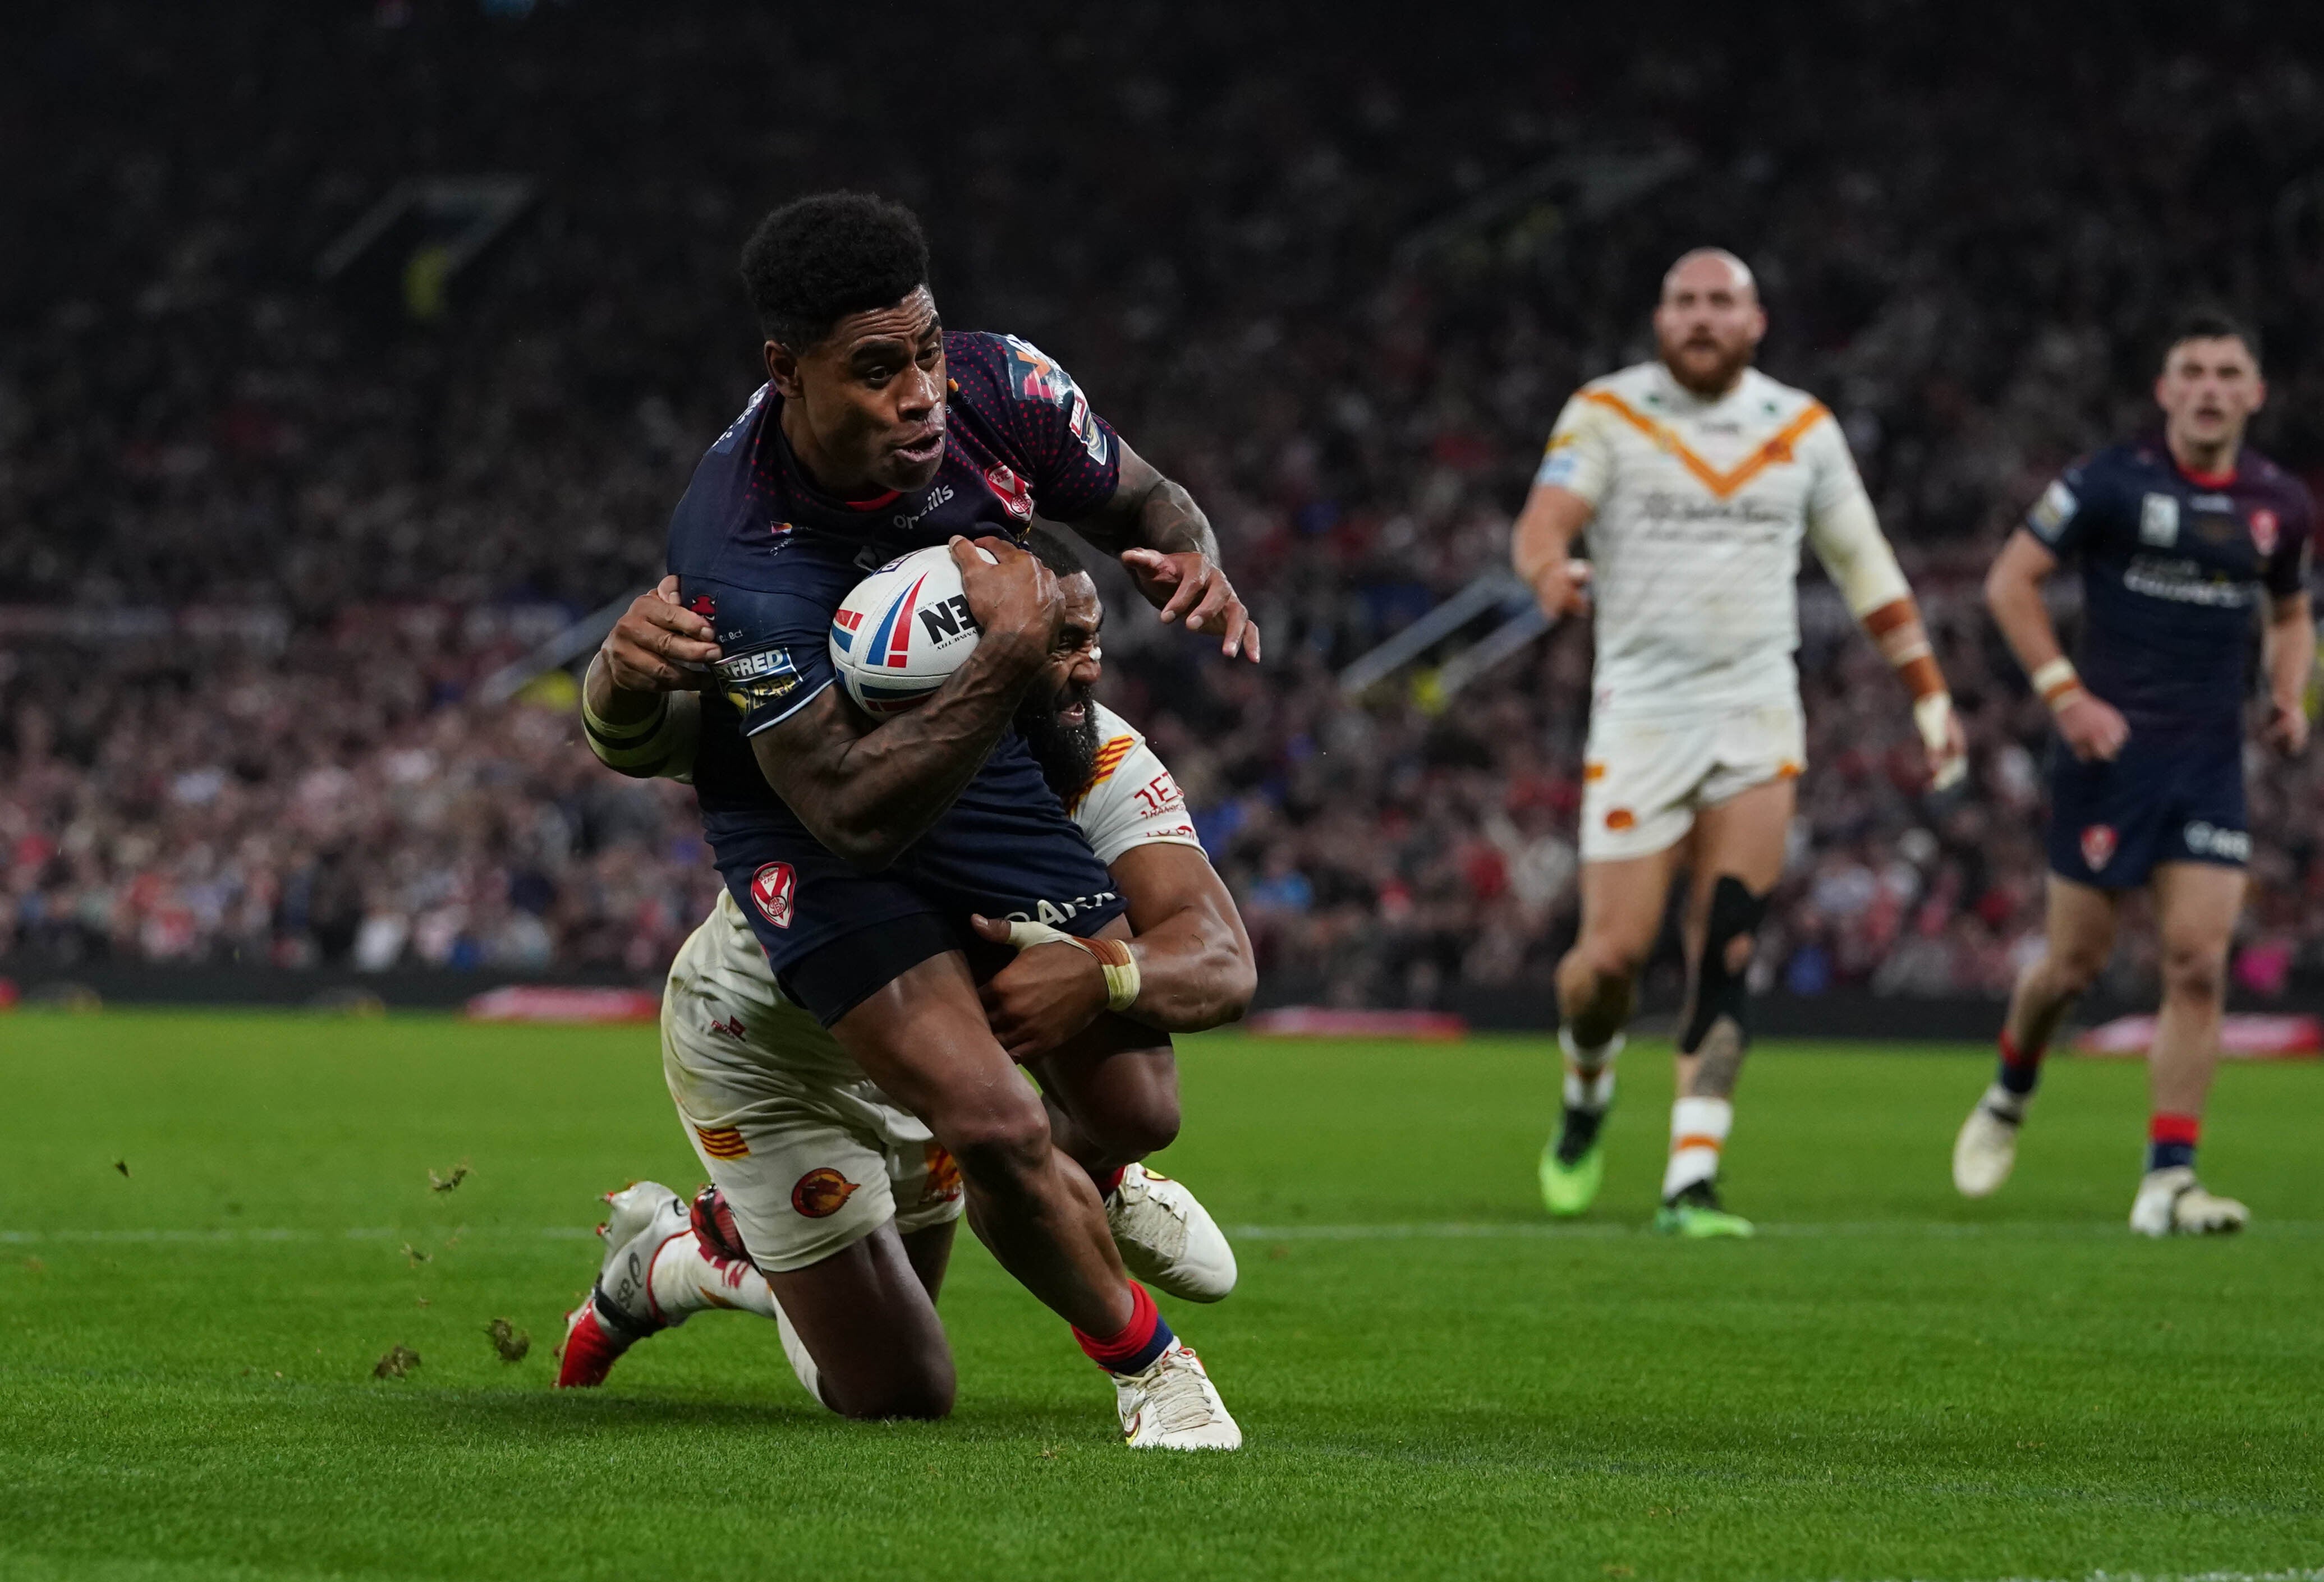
(622, 735)
(1113, 956)
(2058, 681)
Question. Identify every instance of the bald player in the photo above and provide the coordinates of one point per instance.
(1694, 478)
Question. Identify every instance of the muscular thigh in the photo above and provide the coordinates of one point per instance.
(923, 1039)
(1745, 837)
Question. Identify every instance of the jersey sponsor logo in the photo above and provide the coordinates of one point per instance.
(722, 1142)
(2263, 529)
(905, 521)
(1160, 796)
(1053, 913)
(2098, 846)
(1034, 377)
(2052, 511)
(772, 889)
(2184, 582)
(760, 680)
(2158, 520)
(821, 1192)
(2207, 840)
(1016, 497)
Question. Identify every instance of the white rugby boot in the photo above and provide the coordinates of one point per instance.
(1168, 1238)
(1171, 1405)
(1986, 1152)
(2173, 1202)
(618, 1312)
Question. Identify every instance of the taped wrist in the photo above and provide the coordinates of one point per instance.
(2058, 681)
(1113, 958)
(661, 744)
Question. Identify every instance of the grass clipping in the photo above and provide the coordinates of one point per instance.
(395, 1364)
(513, 1343)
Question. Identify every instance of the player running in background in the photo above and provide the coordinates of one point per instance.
(1696, 477)
(2180, 537)
(857, 852)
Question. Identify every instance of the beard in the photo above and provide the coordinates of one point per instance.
(1066, 752)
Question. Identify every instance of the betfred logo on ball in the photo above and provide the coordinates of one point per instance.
(903, 631)
(772, 889)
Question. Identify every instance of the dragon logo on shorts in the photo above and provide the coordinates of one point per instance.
(772, 889)
(821, 1194)
(942, 1182)
(2098, 846)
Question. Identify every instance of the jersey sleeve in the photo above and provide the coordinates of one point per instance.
(2295, 540)
(1132, 801)
(776, 646)
(2062, 517)
(1069, 455)
(1580, 455)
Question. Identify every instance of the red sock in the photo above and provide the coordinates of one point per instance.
(2020, 1069)
(1145, 1337)
(2171, 1140)
(1110, 1180)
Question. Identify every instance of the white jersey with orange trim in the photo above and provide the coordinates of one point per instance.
(1701, 509)
(1133, 800)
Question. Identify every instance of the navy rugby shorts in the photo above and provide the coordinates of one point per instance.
(835, 934)
(2172, 796)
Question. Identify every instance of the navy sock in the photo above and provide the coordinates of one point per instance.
(2171, 1141)
(2019, 1072)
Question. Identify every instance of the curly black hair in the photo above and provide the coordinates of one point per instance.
(818, 259)
(1052, 550)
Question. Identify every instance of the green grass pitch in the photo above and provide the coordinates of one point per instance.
(1888, 1383)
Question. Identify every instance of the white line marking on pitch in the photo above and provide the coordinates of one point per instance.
(2302, 1575)
(2106, 1229)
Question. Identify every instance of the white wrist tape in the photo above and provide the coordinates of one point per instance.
(1113, 956)
(1933, 714)
(2058, 681)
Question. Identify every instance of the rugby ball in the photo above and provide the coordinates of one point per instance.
(904, 630)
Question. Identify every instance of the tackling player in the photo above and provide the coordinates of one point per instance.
(1696, 477)
(2181, 538)
(856, 851)
(769, 1098)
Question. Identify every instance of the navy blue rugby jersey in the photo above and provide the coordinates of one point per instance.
(767, 557)
(2172, 565)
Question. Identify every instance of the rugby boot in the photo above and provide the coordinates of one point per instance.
(1167, 1239)
(1985, 1151)
(1171, 1405)
(2173, 1202)
(1694, 1212)
(619, 1311)
(1573, 1163)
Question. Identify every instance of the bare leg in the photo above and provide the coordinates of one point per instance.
(1742, 838)
(2195, 904)
(2079, 937)
(1111, 1094)
(923, 1039)
(1622, 907)
(868, 1316)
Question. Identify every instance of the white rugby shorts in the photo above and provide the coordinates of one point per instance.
(811, 1154)
(1643, 781)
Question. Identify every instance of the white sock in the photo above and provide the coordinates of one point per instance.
(1589, 1071)
(1699, 1129)
(686, 1280)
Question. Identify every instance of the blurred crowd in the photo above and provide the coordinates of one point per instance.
(1334, 275)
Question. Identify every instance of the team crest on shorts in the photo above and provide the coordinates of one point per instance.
(772, 889)
(821, 1194)
(2098, 846)
(942, 1183)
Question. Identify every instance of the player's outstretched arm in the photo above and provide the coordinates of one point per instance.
(639, 708)
(867, 791)
(2290, 662)
(2090, 727)
(1541, 549)
(1190, 964)
(1166, 543)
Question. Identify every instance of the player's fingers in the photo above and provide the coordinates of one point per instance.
(668, 588)
(1152, 563)
(1216, 598)
(1188, 592)
(1237, 624)
(988, 929)
(1251, 642)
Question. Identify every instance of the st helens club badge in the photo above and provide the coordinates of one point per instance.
(2098, 846)
(773, 887)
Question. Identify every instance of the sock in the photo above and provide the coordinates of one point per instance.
(1589, 1071)
(685, 1279)
(1699, 1129)
(2020, 1070)
(1146, 1336)
(2171, 1141)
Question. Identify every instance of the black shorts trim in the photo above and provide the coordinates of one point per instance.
(833, 980)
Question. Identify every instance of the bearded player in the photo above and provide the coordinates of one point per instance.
(1695, 478)
(858, 851)
(770, 1099)
(2181, 536)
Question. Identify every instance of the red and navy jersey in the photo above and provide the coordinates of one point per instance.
(768, 557)
(2172, 567)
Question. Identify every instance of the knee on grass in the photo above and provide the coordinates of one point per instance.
(917, 1388)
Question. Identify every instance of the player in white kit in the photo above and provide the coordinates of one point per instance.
(1696, 477)
(811, 1162)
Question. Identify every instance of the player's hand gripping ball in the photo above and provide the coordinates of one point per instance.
(903, 631)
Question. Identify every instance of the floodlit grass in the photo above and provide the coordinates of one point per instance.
(1890, 1382)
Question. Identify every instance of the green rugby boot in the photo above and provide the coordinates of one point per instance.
(1573, 1164)
(1695, 1213)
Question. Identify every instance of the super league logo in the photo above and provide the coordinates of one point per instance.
(771, 888)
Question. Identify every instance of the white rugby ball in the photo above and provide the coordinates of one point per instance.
(904, 630)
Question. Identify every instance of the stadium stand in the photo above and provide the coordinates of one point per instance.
(259, 534)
